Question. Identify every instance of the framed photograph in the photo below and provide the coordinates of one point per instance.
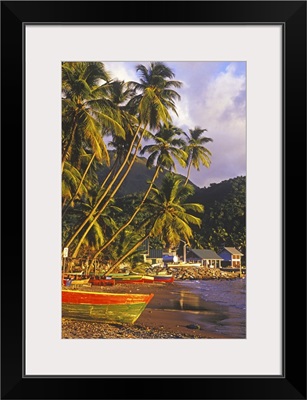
(121, 107)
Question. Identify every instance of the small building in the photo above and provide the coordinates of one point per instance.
(154, 256)
(231, 256)
(207, 258)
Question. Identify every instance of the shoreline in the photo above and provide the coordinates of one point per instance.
(164, 317)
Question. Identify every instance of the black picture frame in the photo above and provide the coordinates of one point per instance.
(292, 16)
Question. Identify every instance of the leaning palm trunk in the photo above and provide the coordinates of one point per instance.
(129, 252)
(127, 223)
(79, 186)
(103, 196)
(188, 173)
(76, 251)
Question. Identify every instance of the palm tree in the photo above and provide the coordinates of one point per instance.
(198, 154)
(174, 222)
(102, 228)
(71, 184)
(151, 103)
(153, 99)
(169, 216)
(80, 185)
(155, 95)
(167, 146)
(120, 94)
(86, 109)
(122, 245)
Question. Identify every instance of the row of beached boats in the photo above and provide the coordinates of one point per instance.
(106, 307)
(112, 279)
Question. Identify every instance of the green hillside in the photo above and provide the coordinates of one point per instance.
(137, 178)
(224, 218)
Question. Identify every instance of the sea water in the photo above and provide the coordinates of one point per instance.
(218, 306)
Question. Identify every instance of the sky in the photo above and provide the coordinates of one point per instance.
(213, 97)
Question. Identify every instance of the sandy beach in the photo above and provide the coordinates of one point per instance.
(163, 317)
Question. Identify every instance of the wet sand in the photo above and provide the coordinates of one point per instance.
(172, 313)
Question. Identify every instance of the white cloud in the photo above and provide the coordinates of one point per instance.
(220, 107)
(120, 71)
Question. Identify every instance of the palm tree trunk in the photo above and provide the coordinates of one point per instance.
(76, 251)
(188, 174)
(102, 197)
(109, 175)
(79, 186)
(127, 223)
(118, 262)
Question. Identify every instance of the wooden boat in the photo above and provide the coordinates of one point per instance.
(75, 282)
(101, 281)
(127, 278)
(74, 278)
(105, 307)
(164, 278)
(128, 281)
(80, 282)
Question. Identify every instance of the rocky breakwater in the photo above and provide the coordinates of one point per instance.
(201, 273)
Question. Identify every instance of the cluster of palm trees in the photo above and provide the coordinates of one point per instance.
(100, 112)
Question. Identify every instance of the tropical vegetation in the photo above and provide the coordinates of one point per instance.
(224, 221)
(107, 124)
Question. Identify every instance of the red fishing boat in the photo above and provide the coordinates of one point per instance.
(105, 307)
(101, 281)
(128, 281)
